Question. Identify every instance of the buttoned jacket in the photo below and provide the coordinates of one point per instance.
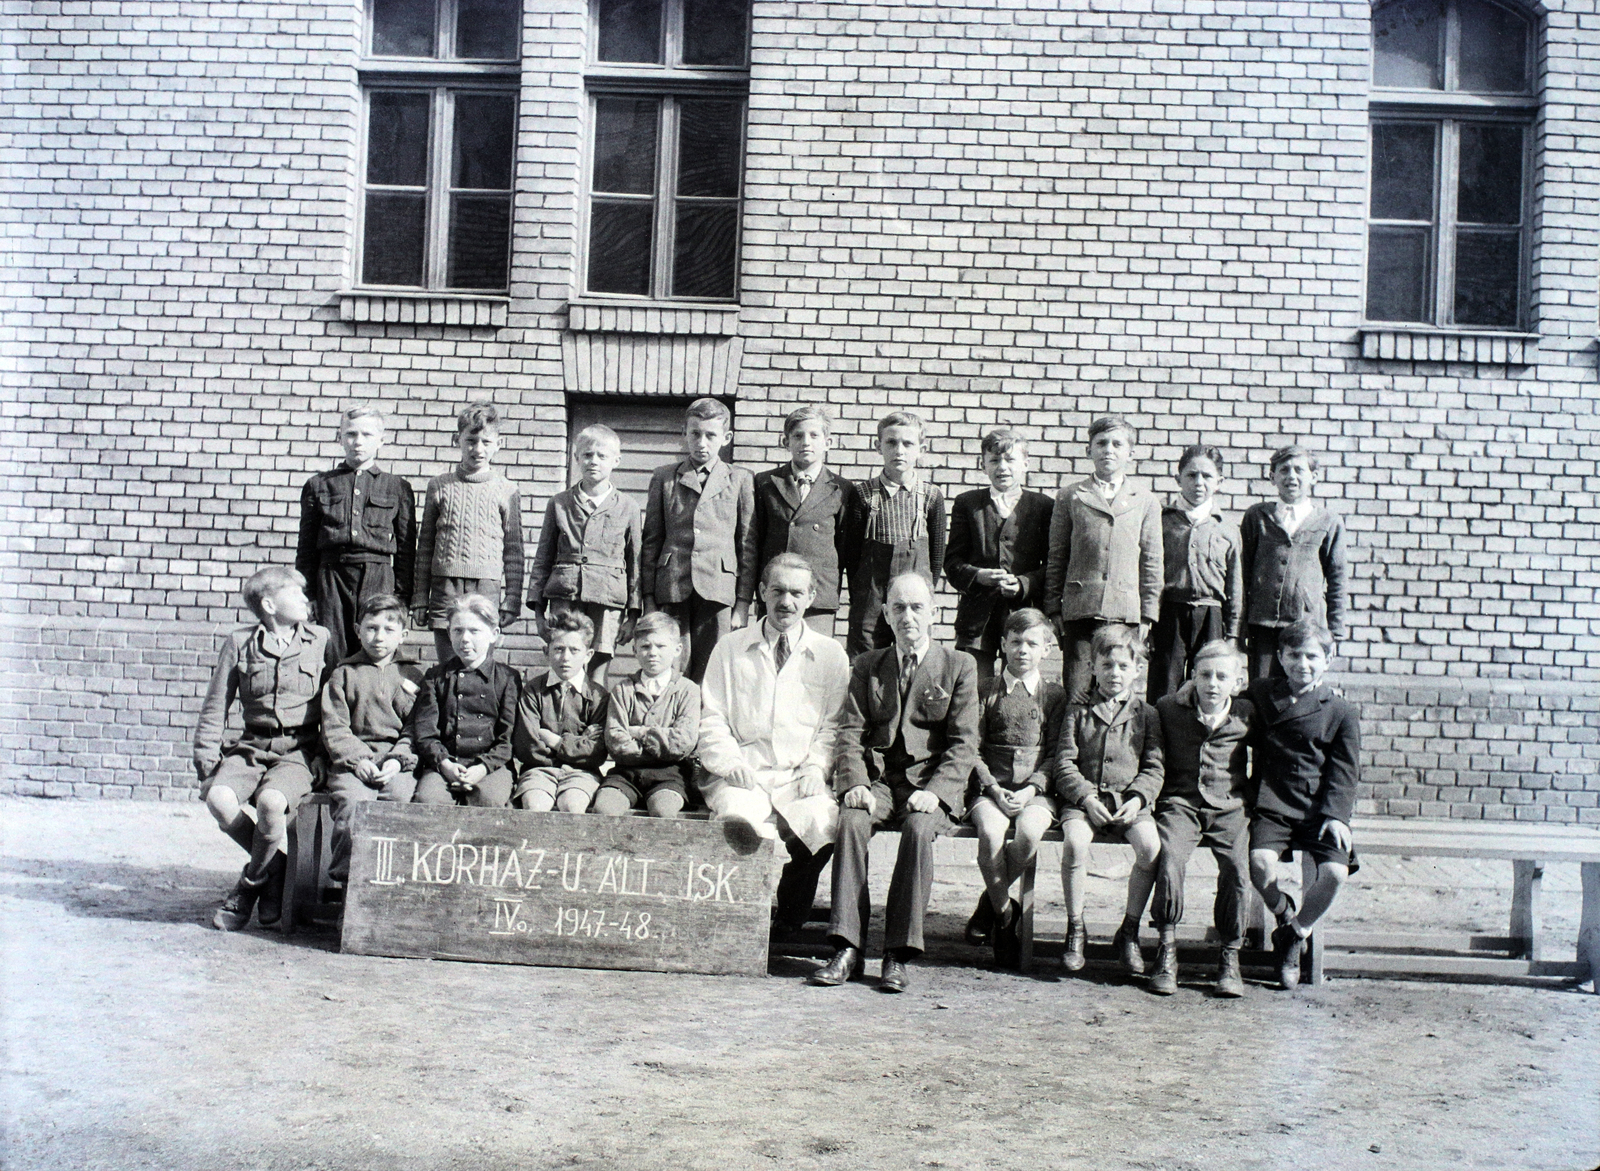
(1110, 750)
(1105, 556)
(1206, 768)
(1306, 752)
(816, 528)
(465, 714)
(1287, 578)
(699, 542)
(279, 691)
(344, 511)
(974, 544)
(588, 556)
(1203, 563)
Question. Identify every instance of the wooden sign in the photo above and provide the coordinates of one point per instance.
(571, 890)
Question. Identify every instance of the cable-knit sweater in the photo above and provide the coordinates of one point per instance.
(471, 527)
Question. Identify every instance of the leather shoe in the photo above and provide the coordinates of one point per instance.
(1230, 984)
(270, 909)
(981, 925)
(894, 975)
(1072, 948)
(845, 966)
(1007, 937)
(1126, 944)
(1164, 980)
(1287, 944)
(236, 909)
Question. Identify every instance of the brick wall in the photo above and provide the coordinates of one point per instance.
(1006, 213)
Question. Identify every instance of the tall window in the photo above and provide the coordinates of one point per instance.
(1452, 114)
(439, 80)
(667, 86)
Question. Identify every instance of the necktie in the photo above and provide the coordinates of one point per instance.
(908, 668)
(780, 653)
(802, 486)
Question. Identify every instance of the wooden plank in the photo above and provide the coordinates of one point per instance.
(1589, 925)
(1337, 963)
(506, 886)
(1442, 942)
(1526, 877)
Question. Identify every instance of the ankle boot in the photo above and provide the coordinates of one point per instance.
(1072, 949)
(1126, 944)
(1164, 980)
(1230, 983)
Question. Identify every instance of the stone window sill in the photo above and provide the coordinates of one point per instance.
(653, 317)
(1422, 344)
(396, 307)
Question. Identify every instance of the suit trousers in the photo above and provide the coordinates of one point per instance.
(910, 886)
(347, 792)
(341, 587)
(493, 792)
(704, 622)
(1261, 646)
(1182, 629)
(1226, 833)
(1077, 657)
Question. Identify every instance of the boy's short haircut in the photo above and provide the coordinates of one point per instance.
(1112, 423)
(710, 410)
(1114, 636)
(593, 434)
(1024, 620)
(1303, 632)
(265, 582)
(902, 419)
(1200, 451)
(1001, 440)
(1221, 648)
(1291, 451)
(805, 414)
(788, 561)
(571, 622)
(363, 411)
(481, 415)
(656, 622)
(383, 604)
(477, 605)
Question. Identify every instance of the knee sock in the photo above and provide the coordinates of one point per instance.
(242, 829)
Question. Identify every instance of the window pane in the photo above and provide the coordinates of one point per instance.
(1486, 278)
(1402, 170)
(1397, 274)
(625, 145)
(1407, 42)
(488, 29)
(619, 246)
(1494, 49)
(704, 250)
(708, 148)
(480, 239)
(397, 139)
(1490, 191)
(714, 31)
(485, 126)
(629, 31)
(392, 252)
(402, 28)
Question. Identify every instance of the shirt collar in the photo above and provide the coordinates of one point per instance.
(656, 686)
(1031, 681)
(811, 476)
(1205, 509)
(1108, 488)
(553, 682)
(1216, 719)
(1006, 502)
(484, 668)
(920, 651)
(593, 501)
(769, 636)
(1297, 512)
(890, 488)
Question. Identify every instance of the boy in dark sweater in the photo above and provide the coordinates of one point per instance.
(1307, 764)
(560, 736)
(1204, 734)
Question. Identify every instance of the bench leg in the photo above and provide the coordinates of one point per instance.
(1526, 877)
(1025, 922)
(1589, 925)
(291, 878)
(1311, 958)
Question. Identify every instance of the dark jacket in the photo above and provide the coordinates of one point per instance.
(1012, 752)
(1111, 751)
(1307, 753)
(817, 528)
(365, 709)
(976, 530)
(343, 511)
(1202, 564)
(1206, 768)
(579, 720)
(465, 716)
(591, 557)
(694, 543)
(1105, 557)
(930, 744)
(1287, 578)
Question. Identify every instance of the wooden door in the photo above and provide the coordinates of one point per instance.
(651, 431)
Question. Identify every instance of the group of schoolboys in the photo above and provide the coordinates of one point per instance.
(1248, 752)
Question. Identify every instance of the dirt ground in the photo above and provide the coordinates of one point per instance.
(137, 1036)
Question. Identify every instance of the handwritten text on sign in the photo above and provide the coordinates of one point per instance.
(553, 888)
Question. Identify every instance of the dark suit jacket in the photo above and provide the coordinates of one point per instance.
(1307, 753)
(939, 725)
(817, 528)
(1206, 768)
(699, 543)
(975, 544)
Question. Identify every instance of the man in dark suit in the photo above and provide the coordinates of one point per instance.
(999, 541)
(803, 508)
(697, 552)
(907, 742)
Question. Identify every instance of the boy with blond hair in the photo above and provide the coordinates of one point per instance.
(652, 728)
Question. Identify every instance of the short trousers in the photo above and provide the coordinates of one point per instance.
(607, 620)
(443, 589)
(1271, 832)
(555, 780)
(1109, 833)
(640, 784)
(258, 763)
(1038, 801)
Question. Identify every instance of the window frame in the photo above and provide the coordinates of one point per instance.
(1446, 110)
(670, 84)
(444, 79)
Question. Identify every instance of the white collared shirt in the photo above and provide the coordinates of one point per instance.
(1212, 720)
(1031, 681)
(1200, 511)
(655, 686)
(1292, 516)
(1005, 503)
(1108, 489)
(597, 500)
(803, 480)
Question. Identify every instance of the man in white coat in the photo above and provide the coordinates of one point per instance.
(769, 716)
